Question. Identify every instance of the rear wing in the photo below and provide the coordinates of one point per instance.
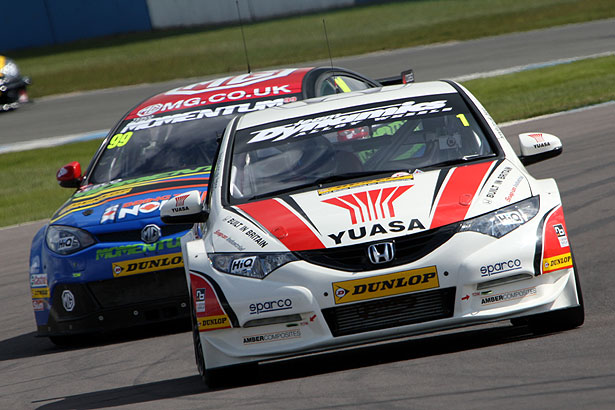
(404, 78)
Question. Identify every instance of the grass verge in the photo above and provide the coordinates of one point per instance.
(165, 55)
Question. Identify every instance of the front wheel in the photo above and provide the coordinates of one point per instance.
(558, 320)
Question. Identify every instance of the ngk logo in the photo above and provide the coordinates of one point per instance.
(370, 205)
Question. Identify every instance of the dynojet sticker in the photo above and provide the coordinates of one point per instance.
(385, 285)
(340, 120)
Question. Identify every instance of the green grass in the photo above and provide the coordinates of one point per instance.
(164, 55)
(28, 190)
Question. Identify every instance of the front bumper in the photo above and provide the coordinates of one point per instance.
(102, 306)
(318, 319)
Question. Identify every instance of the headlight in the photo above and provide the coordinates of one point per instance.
(66, 239)
(504, 220)
(252, 266)
(10, 69)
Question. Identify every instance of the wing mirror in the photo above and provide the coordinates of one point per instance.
(187, 207)
(536, 147)
(69, 176)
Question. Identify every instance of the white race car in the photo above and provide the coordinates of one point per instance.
(371, 216)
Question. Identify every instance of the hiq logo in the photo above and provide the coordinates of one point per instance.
(243, 265)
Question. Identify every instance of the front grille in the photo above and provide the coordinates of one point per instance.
(144, 287)
(390, 312)
(135, 234)
(354, 258)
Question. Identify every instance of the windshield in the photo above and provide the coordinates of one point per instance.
(391, 137)
(147, 146)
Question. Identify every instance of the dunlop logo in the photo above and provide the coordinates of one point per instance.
(558, 262)
(144, 265)
(385, 285)
(213, 322)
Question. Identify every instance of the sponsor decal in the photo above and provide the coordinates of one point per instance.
(242, 266)
(38, 305)
(369, 205)
(341, 120)
(38, 293)
(209, 312)
(466, 297)
(558, 262)
(493, 189)
(68, 300)
(402, 176)
(213, 322)
(230, 240)
(238, 81)
(507, 296)
(540, 141)
(270, 306)
(272, 337)
(377, 229)
(38, 280)
(137, 249)
(134, 266)
(259, 240)
(386, 285)
(513, 190)
(145, 123)
(561, 235)
(500, 267)
(109, 214)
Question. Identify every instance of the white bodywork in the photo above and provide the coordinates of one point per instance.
(482, 278)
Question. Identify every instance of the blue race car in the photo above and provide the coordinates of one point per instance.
(105, 260)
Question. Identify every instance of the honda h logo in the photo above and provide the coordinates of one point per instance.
(381, 252)
(151, 233)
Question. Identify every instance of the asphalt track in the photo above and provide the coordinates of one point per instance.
(492, 366)
(95, 112)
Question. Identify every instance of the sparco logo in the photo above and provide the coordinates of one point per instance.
(370, 205)
(270, 306)
(500, 267)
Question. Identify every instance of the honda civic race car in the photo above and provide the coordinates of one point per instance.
(13, 86)
(105, 260)
(371, 216)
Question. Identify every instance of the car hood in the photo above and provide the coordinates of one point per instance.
(372, 210)
(101, 208)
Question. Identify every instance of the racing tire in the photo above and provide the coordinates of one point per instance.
(558, 320)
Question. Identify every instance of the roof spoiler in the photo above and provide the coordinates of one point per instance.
(404, 78)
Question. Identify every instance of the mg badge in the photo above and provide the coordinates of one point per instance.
(381, 252)
(68, 300)
(151, 233)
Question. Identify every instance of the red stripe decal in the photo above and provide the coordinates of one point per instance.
(458, 194)
(276, 218)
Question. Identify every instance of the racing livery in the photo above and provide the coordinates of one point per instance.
(339, 221)
(105, 260)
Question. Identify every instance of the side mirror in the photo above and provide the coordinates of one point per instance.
(69, 176)
(184, 208)
(536, 147)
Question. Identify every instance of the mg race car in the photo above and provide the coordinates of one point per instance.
(105, 260)
(371, 216)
